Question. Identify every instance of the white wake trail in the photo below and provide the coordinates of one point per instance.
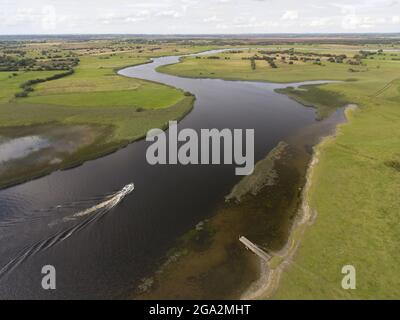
(92, 214)
(108, 204)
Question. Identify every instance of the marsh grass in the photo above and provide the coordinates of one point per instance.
(325, 101)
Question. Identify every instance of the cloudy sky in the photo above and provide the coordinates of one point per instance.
(198, 16)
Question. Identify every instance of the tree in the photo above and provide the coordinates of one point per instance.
(253, 64)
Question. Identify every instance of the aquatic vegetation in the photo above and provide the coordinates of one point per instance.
(264, 175)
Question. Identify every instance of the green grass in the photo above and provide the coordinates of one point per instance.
(113, 128)
(95, 83)
(129, 123)
(238, 69)
(356, 184)
(94, 95)
(325, 101)
(355, 193)
(10, 82)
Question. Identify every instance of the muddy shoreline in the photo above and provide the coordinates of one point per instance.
(84, 152)
(271, 273)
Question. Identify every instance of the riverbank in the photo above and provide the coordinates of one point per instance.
(345, 218)
(115, 111)
(271, 272)
(354, 189)
(355, 183)
(103, 138)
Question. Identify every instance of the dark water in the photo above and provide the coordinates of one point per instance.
(107, 256)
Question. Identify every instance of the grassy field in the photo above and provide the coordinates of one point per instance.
(95, 83)
(356, 183)
(10, 82)
(236, 68)
(355, 191)
(94, 95)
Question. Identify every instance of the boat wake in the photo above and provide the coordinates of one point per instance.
(90, 215)
(39, 215)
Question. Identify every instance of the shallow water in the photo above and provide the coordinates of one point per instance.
(21, 147)
(108, 257)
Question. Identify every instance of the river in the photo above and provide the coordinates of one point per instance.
(109, 255)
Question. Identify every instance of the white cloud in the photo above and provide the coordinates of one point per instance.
(321, 22)
(213, 18)
(353, 22)
(49, 18)
(345, 9)
(169, 14)
(222, 26)
(140, 15)
(198, 16)
(290, 15)
(22, 15)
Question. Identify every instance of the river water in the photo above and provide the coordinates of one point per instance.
(106, 257)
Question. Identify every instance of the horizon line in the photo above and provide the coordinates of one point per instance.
(203, 34)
